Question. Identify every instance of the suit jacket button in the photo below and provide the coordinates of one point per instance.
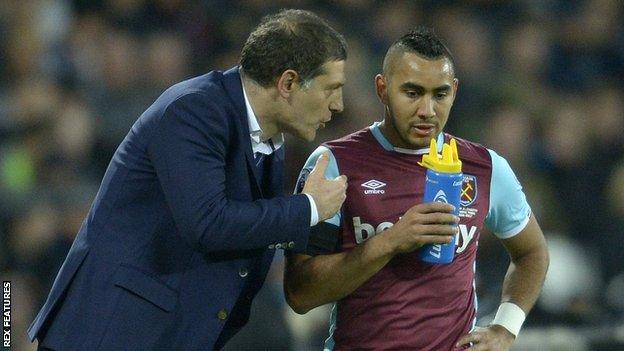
(278, 245)
(222, 314)
(291, 244)
(243, 272)
(272, 246)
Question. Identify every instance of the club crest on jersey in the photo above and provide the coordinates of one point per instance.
(373, 187)
(468, 190)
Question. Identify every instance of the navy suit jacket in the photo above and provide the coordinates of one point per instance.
(181, 233)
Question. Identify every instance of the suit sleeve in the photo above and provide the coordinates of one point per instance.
(188, 148)
(325, 236)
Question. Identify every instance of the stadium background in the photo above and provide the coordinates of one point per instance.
(540, 82)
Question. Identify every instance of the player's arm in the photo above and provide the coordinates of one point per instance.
(510, 218)
(312, 281)
(521, 288)
(527, 270)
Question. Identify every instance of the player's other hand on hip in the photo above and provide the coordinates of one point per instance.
(328, 194)
(423, 224)
(490, 338)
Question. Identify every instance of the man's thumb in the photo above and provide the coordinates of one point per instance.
(321, 165)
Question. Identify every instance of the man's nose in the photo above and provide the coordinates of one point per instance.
(425, 110)
(336, 106)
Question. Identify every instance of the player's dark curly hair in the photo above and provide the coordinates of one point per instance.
(291, 39)
(424, 42)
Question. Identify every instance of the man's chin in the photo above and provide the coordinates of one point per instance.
(419, 142)
(310, 136)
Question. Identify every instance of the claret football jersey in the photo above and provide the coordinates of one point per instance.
(410, 304)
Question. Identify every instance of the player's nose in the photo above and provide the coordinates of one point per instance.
(425, 109)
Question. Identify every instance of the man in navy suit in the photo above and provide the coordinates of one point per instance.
(182, 232)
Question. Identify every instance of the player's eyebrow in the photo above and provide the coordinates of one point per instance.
(414, 86)
(411, 86)
(442, 88)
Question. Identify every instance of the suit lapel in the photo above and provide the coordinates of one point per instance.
(234, 88)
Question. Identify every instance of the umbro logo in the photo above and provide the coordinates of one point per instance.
(373, 184)
(373, 187)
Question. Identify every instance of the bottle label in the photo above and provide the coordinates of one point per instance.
(440, 197)
(446, 188)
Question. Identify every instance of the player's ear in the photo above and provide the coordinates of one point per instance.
(455, 86)
(381, 88)
(287, 82)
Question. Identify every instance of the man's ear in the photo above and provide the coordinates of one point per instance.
(381, 88)
(455, 87)
(287, 83)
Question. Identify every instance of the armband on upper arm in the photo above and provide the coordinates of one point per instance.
(324, 239)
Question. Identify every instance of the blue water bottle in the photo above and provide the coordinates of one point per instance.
(442, 184)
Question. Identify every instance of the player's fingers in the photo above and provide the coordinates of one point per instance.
(321, 166)
(435, 229)
(480, 347)
(436, 239)
(437, 217)
(433, 207)
(473, 337)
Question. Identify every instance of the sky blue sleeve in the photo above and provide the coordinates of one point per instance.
(509, 210)
(330, 173)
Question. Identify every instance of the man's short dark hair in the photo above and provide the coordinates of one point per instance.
(423, 42)
(291, 39)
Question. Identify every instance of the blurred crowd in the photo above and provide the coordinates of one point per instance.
(541, 82)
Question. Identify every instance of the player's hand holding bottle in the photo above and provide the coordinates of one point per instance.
(423, 224)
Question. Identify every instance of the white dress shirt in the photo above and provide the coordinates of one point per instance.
(268, 147)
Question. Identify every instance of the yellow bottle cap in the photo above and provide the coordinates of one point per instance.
(448, 162)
